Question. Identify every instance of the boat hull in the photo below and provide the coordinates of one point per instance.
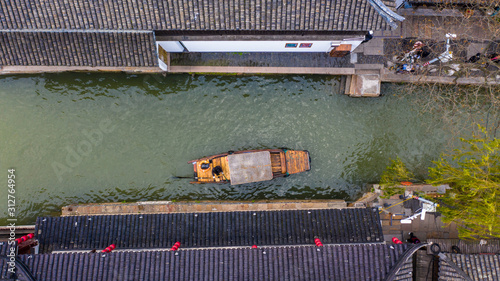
(255, 166)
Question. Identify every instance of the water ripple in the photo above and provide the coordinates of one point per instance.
(84, 138)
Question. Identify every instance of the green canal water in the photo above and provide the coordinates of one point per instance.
(81, 138)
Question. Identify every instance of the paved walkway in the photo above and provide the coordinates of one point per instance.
(430, 228)
(394, 209)
(435, 23)
(196, 207)
(259, 60)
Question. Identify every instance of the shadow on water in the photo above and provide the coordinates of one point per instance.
(85, 138)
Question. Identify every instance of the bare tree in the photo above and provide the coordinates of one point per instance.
(464, 83)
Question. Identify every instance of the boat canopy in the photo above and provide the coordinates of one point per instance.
(250, 167)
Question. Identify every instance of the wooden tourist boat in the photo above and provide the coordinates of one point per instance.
(247, 166)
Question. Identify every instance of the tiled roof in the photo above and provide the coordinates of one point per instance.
(465, 246)
(477, 267)
(297, 227)
(191, 15)
(332, 262)
(4, 248)
(456, 2)
(89, 48)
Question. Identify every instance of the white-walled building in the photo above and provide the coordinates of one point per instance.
(132, 33)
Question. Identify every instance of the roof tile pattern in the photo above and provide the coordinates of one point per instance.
(477, 267)
(92, 48)
(465, 246)
(457, 2)
(4, 247)
(297, 227)
(332, 262)
(191, 15)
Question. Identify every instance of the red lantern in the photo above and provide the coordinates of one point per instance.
(396, 240)
(176, 246)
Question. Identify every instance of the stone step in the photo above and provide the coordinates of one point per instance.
(368, 71)
(368, 66)
(365, 85)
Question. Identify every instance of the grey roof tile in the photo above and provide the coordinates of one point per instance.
(265, 263)
(466, 246)
(209, 229)
(4, 248)
(179, 15)
(477, 267)
(455, 2)
(77, 48)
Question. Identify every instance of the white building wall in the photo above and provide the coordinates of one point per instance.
(255, 46)
(171, 46)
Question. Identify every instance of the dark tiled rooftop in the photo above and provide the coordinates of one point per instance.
(477, 267)
(465, 246)
(191, 15)
(215, 229)
(333, 262)
(456, 2)
(4, 248)
(78, 48)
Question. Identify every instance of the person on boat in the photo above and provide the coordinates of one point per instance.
(413, 239)
(217, 173)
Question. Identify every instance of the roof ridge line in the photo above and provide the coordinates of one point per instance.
(402, 260)
(221, 248)
(453, 265)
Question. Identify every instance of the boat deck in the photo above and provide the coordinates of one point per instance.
(280, 162)
(297, 161)
(205, 175)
